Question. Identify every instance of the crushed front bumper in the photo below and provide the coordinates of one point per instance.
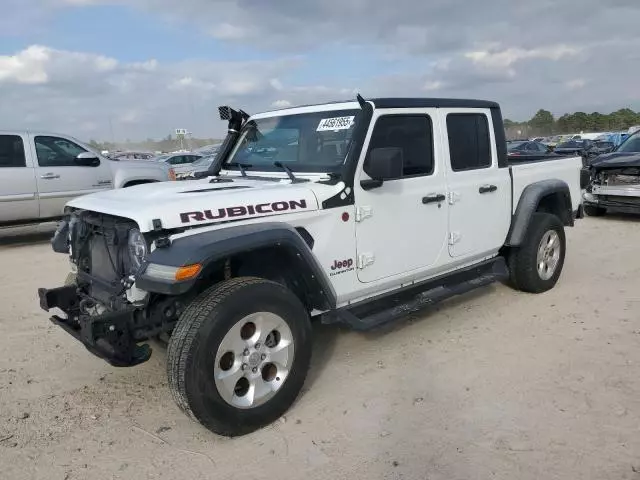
(108, 336)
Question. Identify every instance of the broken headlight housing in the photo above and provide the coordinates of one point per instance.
(137, 246)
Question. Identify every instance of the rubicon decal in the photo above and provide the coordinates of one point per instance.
(242, 211)
(341, 266)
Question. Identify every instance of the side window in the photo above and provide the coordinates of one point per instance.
(175, 160)
(469, 141)
(413, 135)
(56, 152)
(12, 151)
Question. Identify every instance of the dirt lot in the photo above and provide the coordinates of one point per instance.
(495, 384)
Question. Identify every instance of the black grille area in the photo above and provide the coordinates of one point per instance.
(101, 252)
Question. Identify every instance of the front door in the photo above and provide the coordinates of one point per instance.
(479, 190)
(401, 226)
(60, 178)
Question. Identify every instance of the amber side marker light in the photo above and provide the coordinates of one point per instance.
(187, 272)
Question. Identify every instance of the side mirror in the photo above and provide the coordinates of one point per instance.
(382, 164)
(87, 159)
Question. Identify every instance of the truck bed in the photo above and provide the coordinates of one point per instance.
(563, 168)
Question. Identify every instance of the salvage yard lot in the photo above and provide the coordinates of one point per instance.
(494, 384)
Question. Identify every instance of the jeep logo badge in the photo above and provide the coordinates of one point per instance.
(341, 266)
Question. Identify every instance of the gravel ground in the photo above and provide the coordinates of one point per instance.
(494, 384)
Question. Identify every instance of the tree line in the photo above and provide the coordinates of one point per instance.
(543, 123)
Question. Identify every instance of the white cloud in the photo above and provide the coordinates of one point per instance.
(576, 83)
(506, 58)
(281, 104)
(28, 66)
(432, 85)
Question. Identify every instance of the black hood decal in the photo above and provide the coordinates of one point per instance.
(216, 189)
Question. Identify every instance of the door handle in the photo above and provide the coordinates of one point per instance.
(49, 176)
(487, 188)
(433, 198)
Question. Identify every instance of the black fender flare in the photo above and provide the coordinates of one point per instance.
(528, 204)
(208, 247)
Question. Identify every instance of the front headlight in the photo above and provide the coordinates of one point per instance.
(137, 248)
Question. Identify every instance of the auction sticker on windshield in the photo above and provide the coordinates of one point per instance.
(335, 123)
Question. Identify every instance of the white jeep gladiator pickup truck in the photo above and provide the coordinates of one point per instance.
(41, 172)
(356, 212)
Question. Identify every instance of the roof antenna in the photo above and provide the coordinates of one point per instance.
(361, 100)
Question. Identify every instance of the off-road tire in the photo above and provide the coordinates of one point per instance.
(195, 340)
(593, 211)
(522, 260)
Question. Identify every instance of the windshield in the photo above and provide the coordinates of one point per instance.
(307, 142)
(630, 145)
(162, 158)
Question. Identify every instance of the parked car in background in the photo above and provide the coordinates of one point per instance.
(132, 155)
(528, 150)
(208, 149)
(179, 161)
(614, 180)
(198, 167)
(41, 172)
(573, 147)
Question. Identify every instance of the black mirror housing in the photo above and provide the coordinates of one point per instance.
(87, 159)
(384, 163)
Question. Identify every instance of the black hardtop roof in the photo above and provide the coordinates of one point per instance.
(411, 102)
(389, 102)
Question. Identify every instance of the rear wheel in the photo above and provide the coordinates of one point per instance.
(593, 211)
(239, 355)
(535, 266)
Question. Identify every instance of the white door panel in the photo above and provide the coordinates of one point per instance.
(18, 199)
(479, 191)
(402, 224)
(59, 179)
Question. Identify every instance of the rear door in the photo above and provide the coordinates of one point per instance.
(479, 192)
(60, 178)
(18, 191)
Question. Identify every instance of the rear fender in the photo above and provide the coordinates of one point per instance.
(552, 196)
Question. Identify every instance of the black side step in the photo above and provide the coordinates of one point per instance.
(386, 308)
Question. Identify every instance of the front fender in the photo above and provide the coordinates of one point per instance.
(209, 247)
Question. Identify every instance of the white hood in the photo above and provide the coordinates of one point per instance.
(199, 202)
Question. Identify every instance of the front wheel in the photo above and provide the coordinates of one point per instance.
(535, 266)
(239, 355)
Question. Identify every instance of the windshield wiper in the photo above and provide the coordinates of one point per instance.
(289, 172)
(243, 167)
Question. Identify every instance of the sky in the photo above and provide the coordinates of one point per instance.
(136, 69)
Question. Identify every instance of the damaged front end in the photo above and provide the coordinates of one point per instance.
(102, 306)
(614, 187)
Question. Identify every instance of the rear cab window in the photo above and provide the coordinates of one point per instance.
(469, 141)
(12, 152)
